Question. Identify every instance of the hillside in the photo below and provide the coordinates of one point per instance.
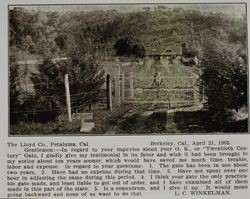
(49, 33)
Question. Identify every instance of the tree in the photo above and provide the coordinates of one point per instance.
(224, 76)
(14, 93)
(129, 46)
(20, 100)
(61, 41)
(84, 65)
(83, 45)
(49, 98)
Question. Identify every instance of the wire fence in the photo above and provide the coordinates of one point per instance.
(76, 98)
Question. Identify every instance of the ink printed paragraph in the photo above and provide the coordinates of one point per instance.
(182, 168)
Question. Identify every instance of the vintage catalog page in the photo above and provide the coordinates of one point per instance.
(124, 99)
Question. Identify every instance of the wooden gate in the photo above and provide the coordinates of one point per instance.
(171, 91)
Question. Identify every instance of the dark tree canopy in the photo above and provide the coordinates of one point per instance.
(224, 74)
(129, 46)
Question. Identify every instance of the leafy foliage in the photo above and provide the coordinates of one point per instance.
(49, 98)
(157, 122)
(225, 79)
(34, 32)
(46, 33)
(15, 105)
(84, 64)
(129, 46)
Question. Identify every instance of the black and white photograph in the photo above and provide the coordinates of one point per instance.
(128, 69)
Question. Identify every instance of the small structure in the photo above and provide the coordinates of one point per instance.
(85, 116)
(189, 61)
(160, 55)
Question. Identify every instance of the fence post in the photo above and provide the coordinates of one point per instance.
(66, 80)
(203, 95)
(131, 85)
(117, 86)
(123, 87)
(196, 95)
(109, 92)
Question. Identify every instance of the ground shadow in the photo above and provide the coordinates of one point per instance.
(199, 122)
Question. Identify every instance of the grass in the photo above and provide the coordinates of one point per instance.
(141, 122)
(132, 120)
(104, 120)
(190, 121)
(156, 123)
(33, 128)
(162, 122)
(237, 126)
(130, 124)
